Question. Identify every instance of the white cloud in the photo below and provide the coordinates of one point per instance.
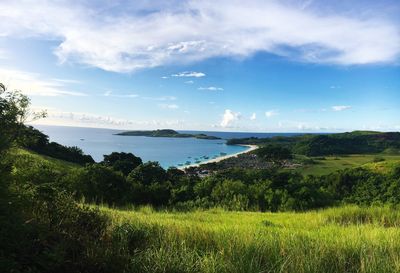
(101, 121)
(110, 94)
(338, 108)
(293, 126)
(211, 88)
(33, 84)
(189, 74)
(189, 82)
(133, 35)
(253, 116)
(229, 117)
(271, 113)
(164, 77)
(168, 106)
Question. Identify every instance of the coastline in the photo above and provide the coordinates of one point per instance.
(220, 158)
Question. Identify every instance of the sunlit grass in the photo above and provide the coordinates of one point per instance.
(24, 158)
(333, 240)
(333, 163)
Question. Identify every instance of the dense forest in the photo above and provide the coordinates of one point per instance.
(48, 221)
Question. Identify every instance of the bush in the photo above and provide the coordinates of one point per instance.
(49, 232)
(98, 183)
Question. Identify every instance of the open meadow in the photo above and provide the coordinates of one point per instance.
(347, 239)
(328, 164)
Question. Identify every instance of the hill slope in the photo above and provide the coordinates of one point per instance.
(357, 142)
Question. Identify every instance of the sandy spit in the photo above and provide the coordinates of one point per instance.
(220, 158)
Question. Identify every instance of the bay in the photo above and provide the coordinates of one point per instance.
(167, 151)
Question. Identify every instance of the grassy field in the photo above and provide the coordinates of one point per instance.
(23, 158)
(333, 163)
(346, 239)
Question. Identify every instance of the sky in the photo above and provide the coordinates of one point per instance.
(256, 65)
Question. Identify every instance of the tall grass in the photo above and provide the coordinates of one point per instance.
(354, 215)
(348, 239)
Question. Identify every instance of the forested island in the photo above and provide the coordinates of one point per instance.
(165, 133)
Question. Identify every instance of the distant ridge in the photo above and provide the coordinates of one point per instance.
(356, 142)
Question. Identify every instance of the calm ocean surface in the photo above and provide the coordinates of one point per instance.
(168, 151)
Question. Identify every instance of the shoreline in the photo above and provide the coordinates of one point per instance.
(220, 158)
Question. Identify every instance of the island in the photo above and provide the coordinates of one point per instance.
(165, 133)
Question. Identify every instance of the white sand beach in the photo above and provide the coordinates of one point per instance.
(220, 158)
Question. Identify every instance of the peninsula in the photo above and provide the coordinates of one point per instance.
(165, 133)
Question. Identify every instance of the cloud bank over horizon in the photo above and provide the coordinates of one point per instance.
(138, 35)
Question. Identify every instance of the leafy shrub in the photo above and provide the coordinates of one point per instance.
(98, 183)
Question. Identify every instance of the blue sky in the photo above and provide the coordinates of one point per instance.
(267, 66)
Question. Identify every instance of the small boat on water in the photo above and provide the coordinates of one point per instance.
(82, 139)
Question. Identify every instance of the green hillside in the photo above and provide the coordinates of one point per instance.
(328, 164)
(357, 142)
(25, 158)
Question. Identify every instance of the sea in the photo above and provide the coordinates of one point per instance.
(169, 152)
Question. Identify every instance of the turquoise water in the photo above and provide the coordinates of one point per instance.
(167, 151)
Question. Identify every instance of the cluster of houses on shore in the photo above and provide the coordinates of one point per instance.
(243, 161)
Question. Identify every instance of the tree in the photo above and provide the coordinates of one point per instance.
(148, 173)
(99, 183)
(231, 194)
(123, 162)
(274, 153)
(14, 112)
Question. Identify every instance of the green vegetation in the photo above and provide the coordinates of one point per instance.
(333, 240)
(165, 133)
(274, 153)
(122, 162)
(125, 215)
(357, 142)
(328, 164)
(31, 138)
